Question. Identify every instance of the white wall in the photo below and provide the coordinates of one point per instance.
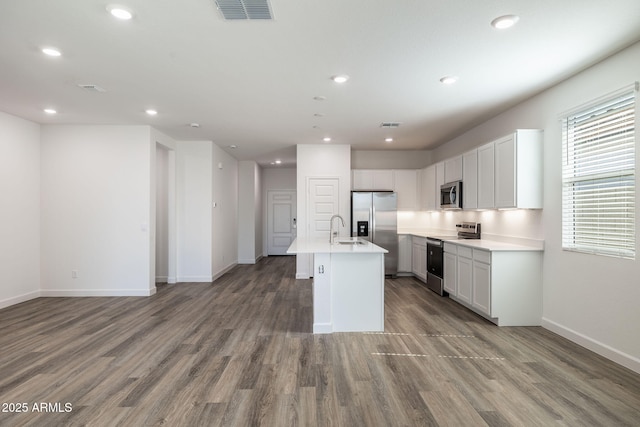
(225, 214)
(19, 210)
(390, 159)
(194, 181)
(96, 210)
(589, 299)
(249, 212)
(317, 161)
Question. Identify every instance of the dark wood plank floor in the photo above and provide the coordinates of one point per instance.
(240, 352)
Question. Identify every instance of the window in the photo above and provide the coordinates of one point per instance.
(598, 177)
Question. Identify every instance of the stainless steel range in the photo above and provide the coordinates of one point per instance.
(435, 254)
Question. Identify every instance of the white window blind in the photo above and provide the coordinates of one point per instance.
(598, 177)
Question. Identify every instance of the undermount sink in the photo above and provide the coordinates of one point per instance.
(350, 242)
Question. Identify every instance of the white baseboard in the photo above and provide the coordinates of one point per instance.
(97, 292)
(223, 271)
(18, 299)
(162, 279)
(197, 279)
(250, 261)
(602, 349)
(171, 280)
(302, 276)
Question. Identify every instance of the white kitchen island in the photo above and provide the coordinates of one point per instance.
(348, 284)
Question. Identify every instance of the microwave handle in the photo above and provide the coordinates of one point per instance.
(452, 193)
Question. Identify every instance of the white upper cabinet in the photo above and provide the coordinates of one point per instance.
(372, 179)
(453, 169)
(518, 170)
(428, 188)
(486, 163)
(439, 182)
(470, 179)
(406, 187)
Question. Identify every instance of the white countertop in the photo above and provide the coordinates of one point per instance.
(307, 245)
(486, 244)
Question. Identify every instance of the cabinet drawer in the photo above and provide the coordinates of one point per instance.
(450, 248)
(482, 256)
(465, 252)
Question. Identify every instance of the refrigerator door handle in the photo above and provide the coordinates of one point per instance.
(372, 215)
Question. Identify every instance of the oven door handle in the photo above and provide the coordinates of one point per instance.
(438, 243)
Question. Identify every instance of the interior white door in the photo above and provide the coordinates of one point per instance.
(281, 218)
(323, 203)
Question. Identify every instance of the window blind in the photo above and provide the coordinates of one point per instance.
(598, 178)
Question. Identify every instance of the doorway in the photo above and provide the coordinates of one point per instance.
(281, 221)
(165, 265)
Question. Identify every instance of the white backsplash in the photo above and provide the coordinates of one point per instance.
(515, 226)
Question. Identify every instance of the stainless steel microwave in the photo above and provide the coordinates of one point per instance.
(451, 195)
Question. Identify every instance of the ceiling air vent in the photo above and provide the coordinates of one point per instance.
(93, 88)
(390, 125)
(244, 9)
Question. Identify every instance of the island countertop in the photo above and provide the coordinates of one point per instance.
(316, 245)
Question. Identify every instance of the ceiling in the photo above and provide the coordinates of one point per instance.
(254, 84)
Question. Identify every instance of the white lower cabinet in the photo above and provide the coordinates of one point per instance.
(419, 257)
(405, 247)
(504, 286)
(481, 286)
(450, 274)
(464, 275)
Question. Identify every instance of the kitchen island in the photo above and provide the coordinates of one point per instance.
(348, 284)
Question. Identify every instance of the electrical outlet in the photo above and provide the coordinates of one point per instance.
(74, 274)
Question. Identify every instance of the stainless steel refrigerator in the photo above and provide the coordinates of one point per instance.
(374, 218)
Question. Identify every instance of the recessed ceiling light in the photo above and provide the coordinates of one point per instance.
(505, 21)
(233, 146)
(277, 162)
(120, 12)
(50, 111)
(388, 140)
(448, 80)
(341, 78)
(326, 139)
(51, 51)
(151, 112)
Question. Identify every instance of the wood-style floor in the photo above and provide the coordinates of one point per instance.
(240, 352)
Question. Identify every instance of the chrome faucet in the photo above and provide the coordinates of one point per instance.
(331, 232)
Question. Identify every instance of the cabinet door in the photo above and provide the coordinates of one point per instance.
(404, 253)
(372, 179)
(486, 163)
(470, 180)
(415, 259)
(439, 182)
(382, 179)
(465, 279)
(361, 179)
(406, 186)
(505, 172)
(482, 287)
(449, 273)
(428, 189)
(453, 169)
